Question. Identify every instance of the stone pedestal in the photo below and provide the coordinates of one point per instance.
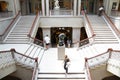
(56, 11)
(61, 52)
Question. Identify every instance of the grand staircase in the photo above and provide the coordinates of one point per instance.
(104, 35)
(46, 58)
(20, 31)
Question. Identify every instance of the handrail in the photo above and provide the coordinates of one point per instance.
(13, 50)
(35, 39)
(86, 62)
(109, 52)
(35, 69)
(84, 39)
(33, 25)
(93, 35)
(112, 24)
(89, 24)
(98, 55)
(10, 24)
(88, 70)
(36, 60)
(30, 32)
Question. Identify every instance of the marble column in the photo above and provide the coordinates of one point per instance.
(75, 8)
(79, 7)
(47, 8)
(43, 7)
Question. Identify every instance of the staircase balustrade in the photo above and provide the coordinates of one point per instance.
(112, 25)
(88, 41)
(36, 41)
(101, 58)
(12, 56)
(61, 12)
(113, 66)
(6, 59)
(32, 39)
(5, 33)
(6, 14)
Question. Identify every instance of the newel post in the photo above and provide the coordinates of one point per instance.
(12, 52)
(36, 61)
(110, 52)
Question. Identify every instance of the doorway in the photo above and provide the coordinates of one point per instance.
(39, 37)
(30, 7)
(83, 36)
(91, 6)
(56, 31)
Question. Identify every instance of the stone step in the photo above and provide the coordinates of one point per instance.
(78, 76)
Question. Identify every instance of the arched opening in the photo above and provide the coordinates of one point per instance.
(56, 31)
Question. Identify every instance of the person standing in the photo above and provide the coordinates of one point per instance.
(68, 43)
(101, 9)
(47, 41)
(66, 63)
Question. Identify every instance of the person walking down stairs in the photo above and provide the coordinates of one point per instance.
(66, 63)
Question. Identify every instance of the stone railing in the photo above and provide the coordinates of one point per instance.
(6, 59)
(5, 33)
(61, 12)
(101, 59)
(13, 57)
(115, 13)
(6, 14)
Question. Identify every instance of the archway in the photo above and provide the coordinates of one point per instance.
(56, 31)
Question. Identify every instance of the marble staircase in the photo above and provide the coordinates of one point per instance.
(104, 35)
(19, 33)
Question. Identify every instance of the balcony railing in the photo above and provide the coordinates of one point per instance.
(6, 14)
(61, 12)
(115, 13)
